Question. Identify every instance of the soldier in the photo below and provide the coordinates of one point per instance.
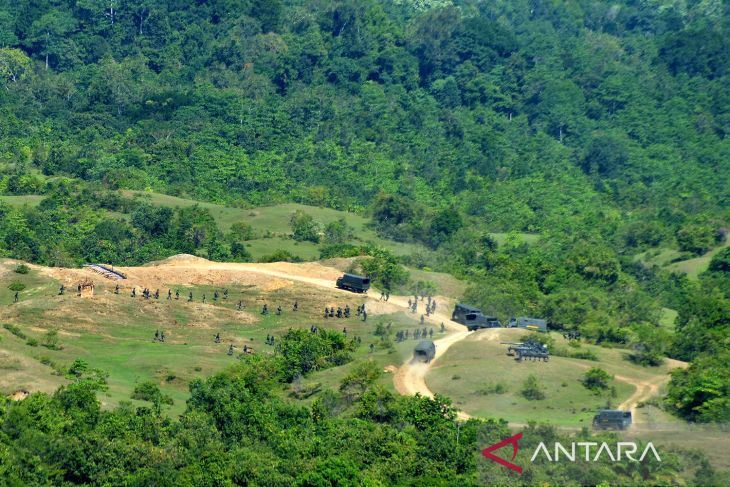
(425, 332)
(272, 340)
(414, 307)
(278, 310)
(326, 312)
(344, 330)
(190, 297)
(372, 347)
(116, 289)
(364, 315)
(265, 309)
(217, 337)
(443, 328)
(387, 295)
(169, 294)
(347, 311)
(382, 296)
(15, 299)
(267, 338)
(332, 312)
(177, 294)
(134, 292)
(428, 304)
(61, 290)
(295, 307)
(215, 295)
(204, 298)
(240, 305)
(157, 335)
(410, 304)
(78, 288)
(359, 310)
(225, 293)
(422, 319)
(417, 334)
(162, 336)
(433, 306)
(339, 312)
(245, 349)
(230, 350)
(430, 333)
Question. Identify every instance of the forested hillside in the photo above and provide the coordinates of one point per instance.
(600, 128)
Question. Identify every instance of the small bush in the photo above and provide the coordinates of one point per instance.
(455, 377)
(16, 286)
(22, 269)
(32, 342)
(532, 390)
(596, 379)
(50, 340)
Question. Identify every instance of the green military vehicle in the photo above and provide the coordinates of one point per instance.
(612, 419)
(354, 283)
(425, 351)
(473, 318)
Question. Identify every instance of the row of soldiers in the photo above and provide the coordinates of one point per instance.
(279, 311)
(403, 335)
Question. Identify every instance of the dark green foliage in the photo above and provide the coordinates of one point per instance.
(302, 352)
(596, 379)
(532, 389)
(22, 269)
(304, 227)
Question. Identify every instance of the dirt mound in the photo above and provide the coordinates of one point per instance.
(180, 259)
(19, 395)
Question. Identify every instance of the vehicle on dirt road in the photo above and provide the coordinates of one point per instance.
(354, 283)
(612, 419)
(425, 351)
(473, 318)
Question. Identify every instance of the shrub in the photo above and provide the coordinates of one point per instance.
(32, 342)
(22, 269)
(532, 390)
(596, 379)
(16, 286)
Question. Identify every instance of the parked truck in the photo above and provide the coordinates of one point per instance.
(533, 324)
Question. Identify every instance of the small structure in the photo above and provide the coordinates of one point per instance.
(354, 283)
(425, 351)
(86, 288)
(612, 419)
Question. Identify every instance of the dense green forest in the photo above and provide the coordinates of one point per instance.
(600, 128)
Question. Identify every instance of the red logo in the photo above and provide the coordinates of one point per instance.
(487, 452)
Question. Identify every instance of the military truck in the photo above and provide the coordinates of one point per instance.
(533, 324)
(354, 283)
(425, 351)
(612, 419)
(473, 318)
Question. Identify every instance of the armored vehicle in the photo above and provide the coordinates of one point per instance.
(612, 419)
(354, 283)
(425, 351)
(473, 318)
(528, 350)
(528, 323)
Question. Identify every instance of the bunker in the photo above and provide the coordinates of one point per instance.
(425, 351)
(354, 283)
(612, 419)
(533, 324)
(473, 318)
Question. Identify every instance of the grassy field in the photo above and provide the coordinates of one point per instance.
(271, 225)
(471, 371)
(30, 200)
(672, 260)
